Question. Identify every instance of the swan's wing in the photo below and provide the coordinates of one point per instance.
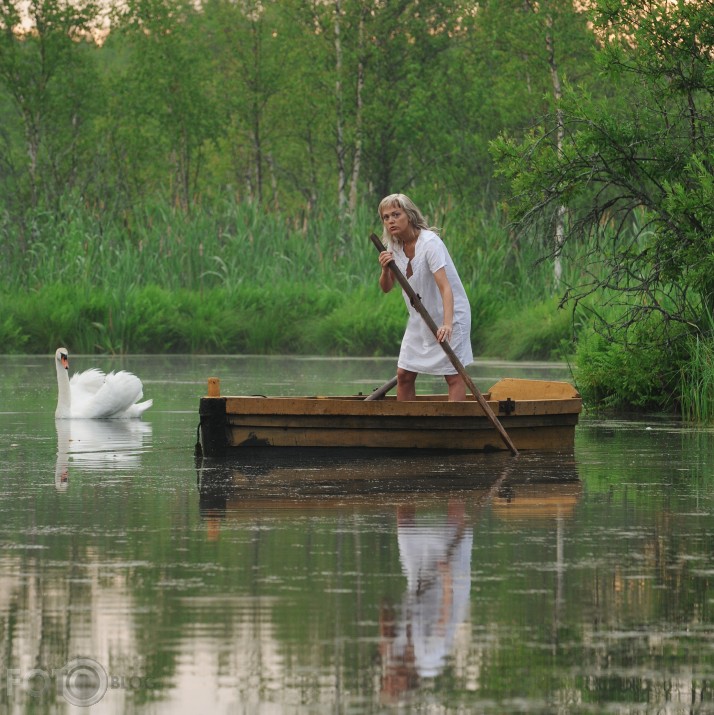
(117, 394)
(87, 382)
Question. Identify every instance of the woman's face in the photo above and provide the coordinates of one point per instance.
(396, 221)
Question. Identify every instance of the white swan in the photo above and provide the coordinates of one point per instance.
(92, 394)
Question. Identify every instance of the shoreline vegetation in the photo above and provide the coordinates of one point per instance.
(238, 280)
(235, 280)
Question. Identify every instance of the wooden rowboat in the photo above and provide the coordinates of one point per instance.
(537, 415)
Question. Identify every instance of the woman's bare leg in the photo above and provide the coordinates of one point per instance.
(406, 387)
(457, 388)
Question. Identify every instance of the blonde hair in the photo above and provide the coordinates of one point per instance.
(415, 216)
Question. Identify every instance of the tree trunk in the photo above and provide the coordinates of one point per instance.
(339, 111)
(357, 161)
(559, 235)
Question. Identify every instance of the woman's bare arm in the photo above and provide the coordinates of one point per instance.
(447, 297)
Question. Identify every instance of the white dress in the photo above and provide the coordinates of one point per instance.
(420, 351)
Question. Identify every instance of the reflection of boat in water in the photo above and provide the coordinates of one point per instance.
(538, 415)
(551, 490)
(431, 508)
(538, 502)
(99, 445)
(227, 486)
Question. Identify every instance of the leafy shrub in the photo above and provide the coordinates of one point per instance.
(622, 375)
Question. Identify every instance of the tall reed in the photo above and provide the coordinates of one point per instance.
(233, 278)
(697, 381)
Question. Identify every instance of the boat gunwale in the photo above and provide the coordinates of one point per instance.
(337, 407)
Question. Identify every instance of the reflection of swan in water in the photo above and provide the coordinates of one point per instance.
(436, 559)
(99, 445)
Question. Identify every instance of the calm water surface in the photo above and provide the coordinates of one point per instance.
(134, 579)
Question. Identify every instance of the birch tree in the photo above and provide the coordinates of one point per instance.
(536, 46)
(548, 21)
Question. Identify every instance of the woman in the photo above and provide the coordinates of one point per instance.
(423, 258)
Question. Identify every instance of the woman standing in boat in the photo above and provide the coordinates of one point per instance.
(423, 258)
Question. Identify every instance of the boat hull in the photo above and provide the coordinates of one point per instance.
(537, 415)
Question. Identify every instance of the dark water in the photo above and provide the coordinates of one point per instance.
(135, 580)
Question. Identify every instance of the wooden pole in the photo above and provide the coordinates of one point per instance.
(380, 392)
(419, 306)
(214, 387)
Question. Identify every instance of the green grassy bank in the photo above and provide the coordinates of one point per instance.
(236, 280)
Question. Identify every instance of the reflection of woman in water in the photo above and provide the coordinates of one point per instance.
(436, 559)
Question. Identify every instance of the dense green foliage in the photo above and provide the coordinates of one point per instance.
(178, 176)
(634, 182)
(291, 104)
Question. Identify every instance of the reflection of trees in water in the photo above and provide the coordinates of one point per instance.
(63, 595)
(50, 616)
(62, 600)
(284, 609)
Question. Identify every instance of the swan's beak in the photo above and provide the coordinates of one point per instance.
(65, 362)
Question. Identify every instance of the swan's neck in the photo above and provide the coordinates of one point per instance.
(64, 396)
